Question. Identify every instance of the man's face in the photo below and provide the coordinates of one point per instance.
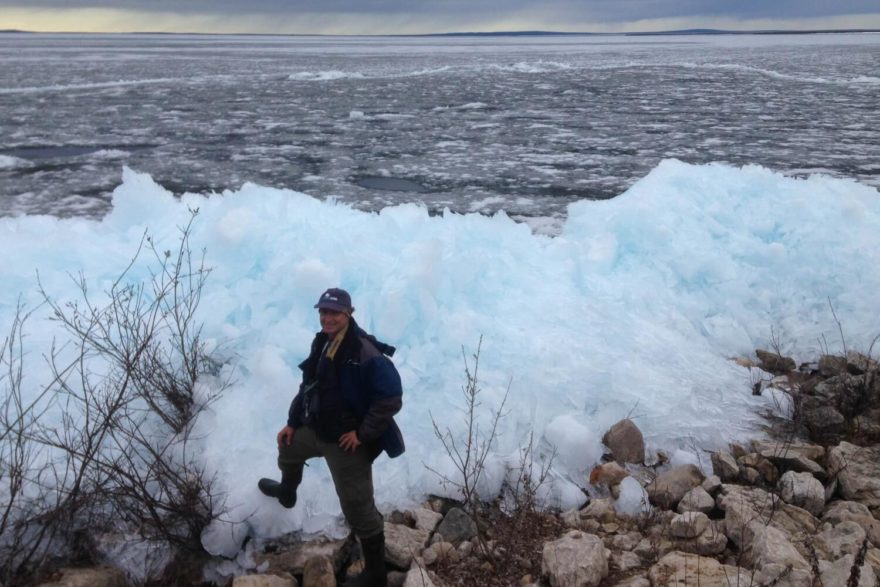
(332, 321)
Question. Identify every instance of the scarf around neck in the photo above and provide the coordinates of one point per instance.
(334, 344)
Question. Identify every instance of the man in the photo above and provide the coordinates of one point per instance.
(343, 412)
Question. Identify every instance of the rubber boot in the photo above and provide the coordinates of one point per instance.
(284, 492)
(374, 574)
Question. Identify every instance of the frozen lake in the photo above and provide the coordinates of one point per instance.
(527, 124)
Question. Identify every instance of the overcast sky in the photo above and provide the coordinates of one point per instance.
(428, 16)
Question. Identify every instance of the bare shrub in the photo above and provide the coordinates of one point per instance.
(28, 508)
(510, 527)
(108, 444)
(470, 452)
(520, 494)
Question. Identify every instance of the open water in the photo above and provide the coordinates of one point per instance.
(524, 124)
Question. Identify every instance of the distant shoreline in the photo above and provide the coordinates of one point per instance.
(647, 34)
(683, 32)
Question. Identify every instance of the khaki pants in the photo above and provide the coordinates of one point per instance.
(352, 475)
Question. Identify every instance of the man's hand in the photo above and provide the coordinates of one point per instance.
(285, 436)
(349, 441)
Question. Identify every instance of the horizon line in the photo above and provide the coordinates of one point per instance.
(519, 33)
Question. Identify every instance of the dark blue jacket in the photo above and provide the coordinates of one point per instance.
(360, 390)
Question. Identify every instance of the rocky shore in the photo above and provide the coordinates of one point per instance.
(798, 508)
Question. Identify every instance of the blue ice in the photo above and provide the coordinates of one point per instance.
(636, 309)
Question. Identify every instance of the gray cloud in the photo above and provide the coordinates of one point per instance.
(439, 15)
(616, 9)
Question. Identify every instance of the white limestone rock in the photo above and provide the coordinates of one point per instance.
(576, 559)
(803, 490)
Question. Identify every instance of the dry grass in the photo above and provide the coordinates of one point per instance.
(519, 543)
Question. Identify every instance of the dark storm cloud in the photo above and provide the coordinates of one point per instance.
(575, 10)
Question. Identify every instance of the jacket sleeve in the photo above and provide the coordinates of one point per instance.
(386, 398)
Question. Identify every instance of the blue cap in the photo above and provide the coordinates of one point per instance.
(335, 299)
